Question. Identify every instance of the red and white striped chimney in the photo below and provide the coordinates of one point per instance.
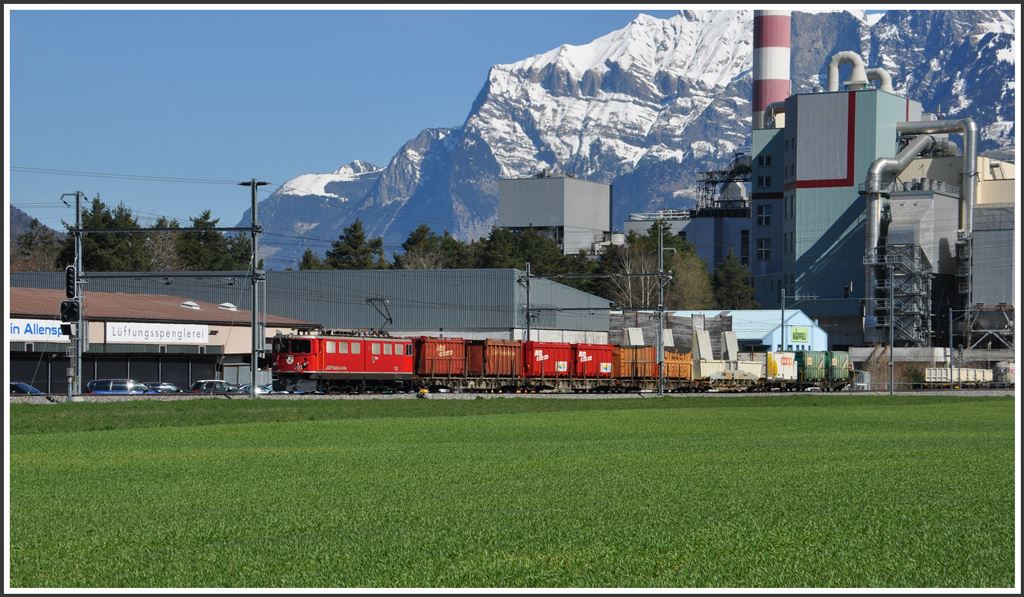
(771, 60)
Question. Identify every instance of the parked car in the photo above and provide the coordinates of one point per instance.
(20, 387)
(213, 386)
(260, 389)
(162, 387)
(115, 386)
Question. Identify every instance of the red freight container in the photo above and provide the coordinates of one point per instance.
(494, 358)
(440, 357)
(547, 359)
(592, 360)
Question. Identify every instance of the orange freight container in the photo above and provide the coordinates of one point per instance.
(621, 363)
(440, 357)
(635, 361)
(547, 359)
(646, 361)
(592, 360)
(494, 358)
(678, 365)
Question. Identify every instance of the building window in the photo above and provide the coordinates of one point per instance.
(764, 160)
(745, 247)
(764, 181)
(764, 249)
(764, 215)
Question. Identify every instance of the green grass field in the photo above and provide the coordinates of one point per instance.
(712, 491)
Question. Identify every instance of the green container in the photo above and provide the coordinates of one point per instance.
(839, 365)
(812, 365)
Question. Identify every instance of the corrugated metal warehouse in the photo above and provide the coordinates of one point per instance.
(470, 303)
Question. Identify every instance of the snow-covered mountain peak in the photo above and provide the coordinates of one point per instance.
(688, 45)
(356, 168)
(327, 185)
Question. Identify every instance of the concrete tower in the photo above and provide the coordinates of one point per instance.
(771, 60)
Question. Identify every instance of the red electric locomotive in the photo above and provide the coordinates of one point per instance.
(342, 362)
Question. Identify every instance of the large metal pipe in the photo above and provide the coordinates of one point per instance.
(771, 111)
(968, 177)
(882, 76)
(771, 60)
(893, 166)
(858, 77)
(945, 148)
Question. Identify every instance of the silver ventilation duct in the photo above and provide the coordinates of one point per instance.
(882, 76)
(969, 177)
(858, 78)
(772, 110)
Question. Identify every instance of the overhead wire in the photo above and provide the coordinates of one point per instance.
(117, 175)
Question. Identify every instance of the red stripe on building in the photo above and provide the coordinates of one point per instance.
(851, 131)
(767, 91)
(823, 184)
(851, 127)
(771, 31)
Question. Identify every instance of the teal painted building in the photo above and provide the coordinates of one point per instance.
(808, 214)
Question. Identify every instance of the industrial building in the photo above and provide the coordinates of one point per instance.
(720, 222)
(575, 213)
(470, 303)
(876, 208)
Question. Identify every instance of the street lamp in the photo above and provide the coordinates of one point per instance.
(663, 281)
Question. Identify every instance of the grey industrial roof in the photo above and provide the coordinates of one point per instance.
(416, 299)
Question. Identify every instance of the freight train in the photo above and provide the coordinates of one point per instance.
(344, 362)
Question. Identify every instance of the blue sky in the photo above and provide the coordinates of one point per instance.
(229, 95)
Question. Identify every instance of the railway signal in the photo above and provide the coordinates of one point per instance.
(70, 282)
(69, 311)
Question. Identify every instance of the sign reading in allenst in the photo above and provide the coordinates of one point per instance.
(157, 333)
(35, 330)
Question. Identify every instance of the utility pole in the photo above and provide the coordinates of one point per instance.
(529, 315)
(661, 309)
(80, 324)
(782, 319)
(257, 336)
(892, 335)
(951, 348)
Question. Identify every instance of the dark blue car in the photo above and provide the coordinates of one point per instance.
(20, 387)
